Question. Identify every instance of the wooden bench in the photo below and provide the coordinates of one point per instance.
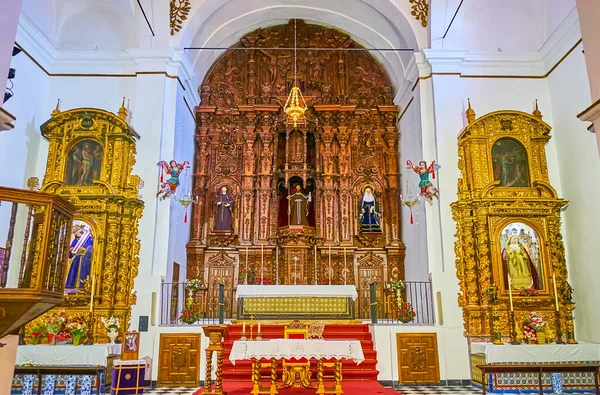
(539, 369)
(40, 371)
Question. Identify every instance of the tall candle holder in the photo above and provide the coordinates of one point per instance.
(513, 328)
(559, 332)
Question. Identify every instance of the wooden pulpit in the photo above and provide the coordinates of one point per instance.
(215, 334)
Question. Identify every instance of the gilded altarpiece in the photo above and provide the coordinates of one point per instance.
(508, 227)
(347, 143)
(91, 156)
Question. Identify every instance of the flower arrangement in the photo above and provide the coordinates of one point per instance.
(77, 329)
(326, 281)
(529, 292)
(111, 324)
(54, 325)
(537, 321)
(190, 313)
(243, 275)
(396, 285)
(193, 285)
(529, 334)
(405, 312)
(263, 280)
(37, 331)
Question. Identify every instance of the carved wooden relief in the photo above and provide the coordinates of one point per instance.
(418, 361)
(179, 360)
(350, 140)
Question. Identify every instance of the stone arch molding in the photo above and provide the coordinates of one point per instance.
(372, 24)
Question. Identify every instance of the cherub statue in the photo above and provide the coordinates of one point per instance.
(428, 191)
(173, 169)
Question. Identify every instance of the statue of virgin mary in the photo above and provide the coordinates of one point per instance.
(369, 212)
(519, 266)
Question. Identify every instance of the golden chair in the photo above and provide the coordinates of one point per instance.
(296, 373)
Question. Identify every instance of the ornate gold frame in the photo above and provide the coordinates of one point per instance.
(110, 206)
(484, 208)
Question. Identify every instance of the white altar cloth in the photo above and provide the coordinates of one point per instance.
(281, 291)
(295, 348)
(66, 355)
(534, 353)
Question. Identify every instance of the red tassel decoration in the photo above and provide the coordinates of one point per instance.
(161, 177)
(433, 172)
(185, 217)
(411, 218)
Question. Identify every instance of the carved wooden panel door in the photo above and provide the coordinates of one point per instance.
(417, 358)
(179, 360)
(219, 275)
(365, 277)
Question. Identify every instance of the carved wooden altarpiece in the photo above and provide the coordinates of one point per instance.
(508, 224)
(349, 140)
(90, 161)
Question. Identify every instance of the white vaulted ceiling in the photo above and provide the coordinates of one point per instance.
(514, 26)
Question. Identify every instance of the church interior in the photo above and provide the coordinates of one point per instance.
(299, 196)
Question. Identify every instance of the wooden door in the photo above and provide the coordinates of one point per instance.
(365, 277)
(417, 358)
(219, 275)
(179, 360)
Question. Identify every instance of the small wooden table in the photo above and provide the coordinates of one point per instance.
(40, 371)
(539, 369)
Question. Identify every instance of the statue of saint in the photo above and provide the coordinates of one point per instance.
(224, 213)
(298, 207)
(80, 257)
(369, 212)
(519, 266)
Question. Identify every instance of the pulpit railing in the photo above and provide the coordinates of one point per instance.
(34, 249)
(180, 305)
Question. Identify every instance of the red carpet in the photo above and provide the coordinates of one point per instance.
(241, 371)
(350, 387)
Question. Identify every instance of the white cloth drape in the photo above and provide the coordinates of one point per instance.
(66, 355)
(274, 291)
(534, 353)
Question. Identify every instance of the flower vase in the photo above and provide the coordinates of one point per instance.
(541, 337)
(76, 339)
(112, 335)
(35, 340)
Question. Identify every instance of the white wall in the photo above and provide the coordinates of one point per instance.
(579, 169)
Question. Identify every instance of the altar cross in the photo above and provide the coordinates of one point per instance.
(295, 259)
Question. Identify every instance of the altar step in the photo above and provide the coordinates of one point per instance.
(242, 370)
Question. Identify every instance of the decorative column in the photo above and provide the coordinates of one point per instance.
(215, 334)
(247, 203)
(265, 177)
(112, 254)
(328, 201)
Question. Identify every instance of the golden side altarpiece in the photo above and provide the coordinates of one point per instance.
(90, 160)
(508, 228)
(298, 191)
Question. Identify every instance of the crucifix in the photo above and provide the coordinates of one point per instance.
(295, 259)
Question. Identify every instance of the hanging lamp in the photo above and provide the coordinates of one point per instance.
(295, 106)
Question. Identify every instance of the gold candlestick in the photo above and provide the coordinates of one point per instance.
(510, 294)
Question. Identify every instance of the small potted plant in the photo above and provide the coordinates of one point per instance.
(406, 313)
(263, 281)
(243, 275)
(37, 331)
(78, 329)
(112, 328)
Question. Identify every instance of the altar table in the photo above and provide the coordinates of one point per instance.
(296, 301)
(276, 349)
(97, 356)
(527, 354)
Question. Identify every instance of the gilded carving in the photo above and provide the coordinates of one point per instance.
(90, 158)
(508, 222)
(350, 139)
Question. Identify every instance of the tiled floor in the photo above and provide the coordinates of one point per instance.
(170, 391)
(423, 390)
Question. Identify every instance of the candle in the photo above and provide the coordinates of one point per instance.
(345, 266)
(555, 293)
(329, 274)
(244, 328)
(277, 265)
(262, 261)
(510, 293)
(246, 281)
(93, 292)
(315, 264)
(259, 327)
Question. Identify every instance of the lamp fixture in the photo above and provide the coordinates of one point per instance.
(295, 106)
